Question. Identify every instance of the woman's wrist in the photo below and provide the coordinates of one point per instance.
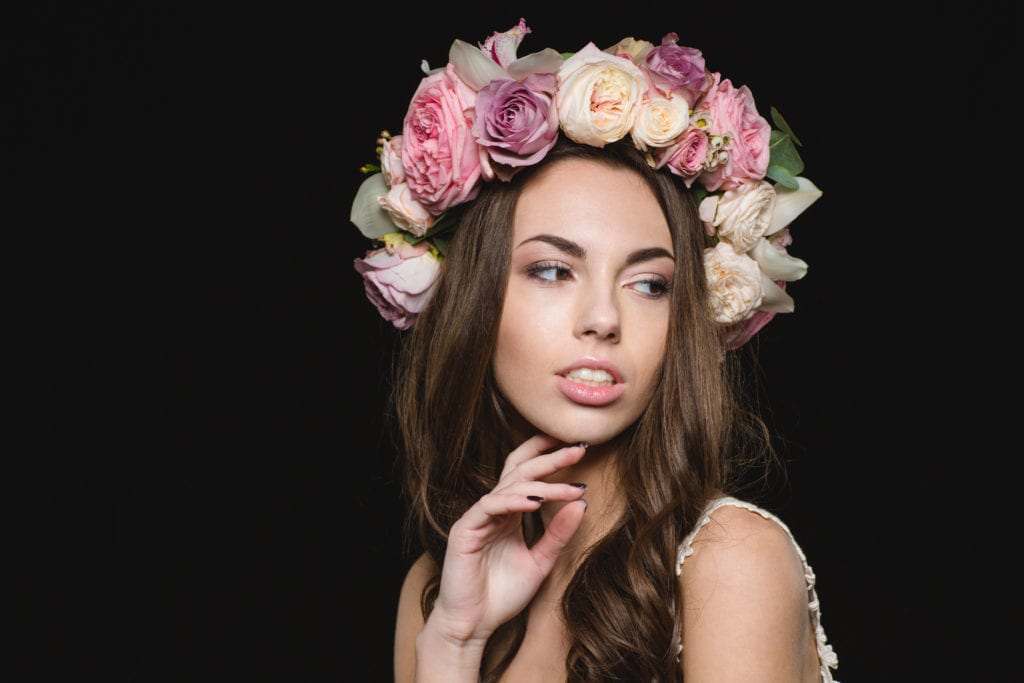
(444, 658)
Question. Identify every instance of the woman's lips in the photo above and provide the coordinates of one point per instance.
(589, 394)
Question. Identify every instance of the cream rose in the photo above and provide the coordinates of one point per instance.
(734, 281)
(598, 96)
(740, 216)
(659, 121)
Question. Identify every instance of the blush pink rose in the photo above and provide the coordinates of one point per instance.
(734, 114)
(686, 157)
(399, 280)
(441, 160)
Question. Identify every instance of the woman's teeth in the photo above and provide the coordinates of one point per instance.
(591, 377)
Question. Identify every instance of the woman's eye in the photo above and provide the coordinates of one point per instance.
(654, 288)
(549, 271)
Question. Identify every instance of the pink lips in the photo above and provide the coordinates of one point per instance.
(586, 394)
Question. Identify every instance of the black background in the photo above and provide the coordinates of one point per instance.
(196, 483)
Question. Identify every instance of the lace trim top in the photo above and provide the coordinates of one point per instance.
(827, 659)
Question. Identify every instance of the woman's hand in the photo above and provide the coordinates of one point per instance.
(489, 574)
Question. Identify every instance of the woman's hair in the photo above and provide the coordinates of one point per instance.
(622, 608)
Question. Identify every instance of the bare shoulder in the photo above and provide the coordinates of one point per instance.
(745, 599)
(409, 621)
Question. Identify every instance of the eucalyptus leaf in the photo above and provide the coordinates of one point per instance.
(782, 176)
(784, 153)
(781, 124)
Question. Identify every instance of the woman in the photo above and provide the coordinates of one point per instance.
(566, 392)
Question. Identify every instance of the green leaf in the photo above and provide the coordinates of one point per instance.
(781, 124)
(699, 193)
(441, 243)
(784, 154)
(782, 176)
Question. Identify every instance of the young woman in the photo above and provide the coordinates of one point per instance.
(573, 286)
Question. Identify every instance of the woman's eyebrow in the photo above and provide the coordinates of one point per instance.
(573, 249)
(648, 254)
(560, 243)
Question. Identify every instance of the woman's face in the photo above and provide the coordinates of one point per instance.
(585, 317)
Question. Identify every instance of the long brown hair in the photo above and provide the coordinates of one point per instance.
(622, 608)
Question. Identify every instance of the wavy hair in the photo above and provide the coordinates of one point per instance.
(622, 608)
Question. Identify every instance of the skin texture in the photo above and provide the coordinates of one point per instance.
(591, 258)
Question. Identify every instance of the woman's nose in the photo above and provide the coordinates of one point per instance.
(598, 315)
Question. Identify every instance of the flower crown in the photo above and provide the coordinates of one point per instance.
(489, 113)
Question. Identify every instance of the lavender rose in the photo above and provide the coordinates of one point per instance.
(399, 279)
(442, 161)
(674, 69)
(517, 123)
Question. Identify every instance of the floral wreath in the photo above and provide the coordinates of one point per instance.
(489, 113)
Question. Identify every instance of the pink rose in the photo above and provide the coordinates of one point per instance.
(674, 69)
(442, 161)
(391, 160)
(517, 123)
(686, 158)
(738, 334)
(734, 115)
(399, 280)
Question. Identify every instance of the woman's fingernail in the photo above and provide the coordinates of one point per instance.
(581, 443)
(584, 501)
(535, 499)
(578, 484)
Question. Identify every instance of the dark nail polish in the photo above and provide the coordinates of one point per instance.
(535, 499)
(578, 484)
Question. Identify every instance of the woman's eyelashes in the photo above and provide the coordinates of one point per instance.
(548, 271)
(654, 287)
(650, 286)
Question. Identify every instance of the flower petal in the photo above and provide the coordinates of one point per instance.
(473, 66)
(367, 213)
(792, 203)
(546, 61)
(776, 263)
(775, 298)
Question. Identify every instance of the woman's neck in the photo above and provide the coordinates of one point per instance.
(604, 496)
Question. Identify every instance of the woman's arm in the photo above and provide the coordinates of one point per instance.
(489, 574)
(745, 603)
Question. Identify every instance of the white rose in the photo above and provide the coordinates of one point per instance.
(659, 121)
(404, 211)
(741, 216)
(598, 96)
(735, 283)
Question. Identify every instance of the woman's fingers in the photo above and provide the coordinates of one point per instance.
(529, 449)
(523, 496)
(530, 461)
(558, 534)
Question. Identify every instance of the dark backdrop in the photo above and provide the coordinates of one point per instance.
(196, 480)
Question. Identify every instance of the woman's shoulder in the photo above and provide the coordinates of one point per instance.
(741, 569)
(742, 541)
